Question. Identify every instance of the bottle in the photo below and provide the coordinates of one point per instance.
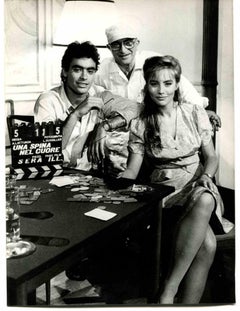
(12, 225)
(12, 211)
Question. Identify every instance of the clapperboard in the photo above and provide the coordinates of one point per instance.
(36, 148)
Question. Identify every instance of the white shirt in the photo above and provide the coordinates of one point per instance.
(111, 78)
(52, 106)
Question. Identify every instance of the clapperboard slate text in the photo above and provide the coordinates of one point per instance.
(36, 149)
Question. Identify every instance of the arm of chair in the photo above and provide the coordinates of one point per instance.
(227, 240)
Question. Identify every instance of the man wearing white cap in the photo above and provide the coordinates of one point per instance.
(122, 74)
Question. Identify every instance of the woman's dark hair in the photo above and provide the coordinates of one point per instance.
(80, 50)
(149, 110)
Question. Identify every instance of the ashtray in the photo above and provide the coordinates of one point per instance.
(19, 249)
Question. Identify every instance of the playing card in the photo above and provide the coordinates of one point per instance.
(100, 214)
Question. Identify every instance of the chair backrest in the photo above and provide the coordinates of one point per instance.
(9, 110)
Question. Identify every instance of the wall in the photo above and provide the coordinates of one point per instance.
(225, 96)
(167, 26)
(33, 64)
(170, 27)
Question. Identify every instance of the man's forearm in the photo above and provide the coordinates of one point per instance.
(190, 94)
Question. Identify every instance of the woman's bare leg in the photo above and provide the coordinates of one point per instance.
(196, 277)
(190, 236)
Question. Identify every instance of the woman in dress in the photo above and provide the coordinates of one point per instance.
(172, 133)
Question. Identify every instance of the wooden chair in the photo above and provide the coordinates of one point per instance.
(220, 287)
(9, 110)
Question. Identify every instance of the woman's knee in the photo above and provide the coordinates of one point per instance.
(206, 203)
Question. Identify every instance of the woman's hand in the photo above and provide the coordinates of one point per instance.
(115, 170)
(206, 182)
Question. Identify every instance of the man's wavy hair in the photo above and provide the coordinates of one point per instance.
(79, 50)
(149, 111)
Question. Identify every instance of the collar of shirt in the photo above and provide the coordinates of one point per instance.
(93, 91)
(64, 97)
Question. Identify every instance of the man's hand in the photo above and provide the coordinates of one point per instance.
(96, 150)
(214, 119)
(88, 104)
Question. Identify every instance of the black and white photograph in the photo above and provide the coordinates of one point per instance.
(119, 153)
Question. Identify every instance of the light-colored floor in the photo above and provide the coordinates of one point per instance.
(62, 287)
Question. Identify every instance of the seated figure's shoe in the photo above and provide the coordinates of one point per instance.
(78, 272)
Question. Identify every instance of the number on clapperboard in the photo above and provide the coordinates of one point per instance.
(57, 130)
(16, 133)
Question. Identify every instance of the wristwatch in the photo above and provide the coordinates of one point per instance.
(106, 126)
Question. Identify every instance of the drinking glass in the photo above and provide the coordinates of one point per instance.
(15, 246)
(12, 210)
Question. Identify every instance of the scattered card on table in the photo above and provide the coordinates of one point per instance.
(100, 214)
(61, 181)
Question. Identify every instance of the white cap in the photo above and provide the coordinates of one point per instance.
(120, 31)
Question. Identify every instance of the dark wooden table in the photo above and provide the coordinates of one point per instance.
(71, 235)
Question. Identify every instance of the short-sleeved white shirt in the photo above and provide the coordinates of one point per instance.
(52, 106)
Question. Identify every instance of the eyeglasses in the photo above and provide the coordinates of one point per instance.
(127, 43)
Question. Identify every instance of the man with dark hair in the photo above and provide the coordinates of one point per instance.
(80, 104)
